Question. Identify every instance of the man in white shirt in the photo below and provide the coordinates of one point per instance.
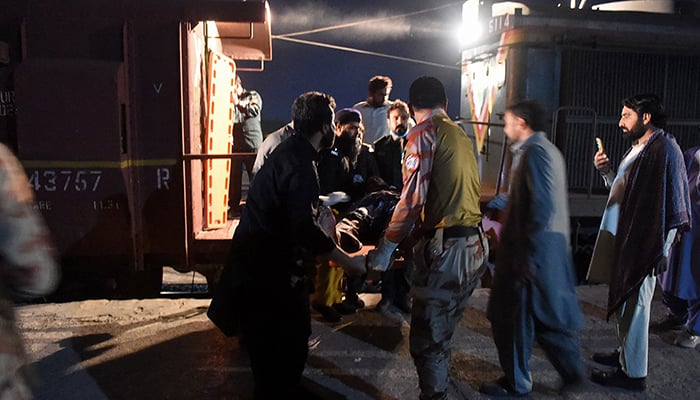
(374, 109)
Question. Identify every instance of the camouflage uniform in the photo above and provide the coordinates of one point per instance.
(28, 269)
(441, 190)
(447, 271)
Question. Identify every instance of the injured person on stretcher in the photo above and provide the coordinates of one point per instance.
(359, 229)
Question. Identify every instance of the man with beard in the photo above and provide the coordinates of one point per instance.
(345, 167)
(388, 151)
(349, 164)
(265, 284)
(647, 206)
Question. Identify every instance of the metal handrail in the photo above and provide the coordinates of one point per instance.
(487, 146)
(555, 122)
(191, 156)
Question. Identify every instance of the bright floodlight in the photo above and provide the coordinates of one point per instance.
(468, 34)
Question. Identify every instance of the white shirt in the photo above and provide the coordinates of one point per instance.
(374, 119)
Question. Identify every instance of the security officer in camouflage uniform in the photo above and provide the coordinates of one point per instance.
(28, 269)
(441, 190)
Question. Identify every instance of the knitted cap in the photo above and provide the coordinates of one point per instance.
(347, 115)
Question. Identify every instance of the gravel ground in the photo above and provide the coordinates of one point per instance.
(168, 349)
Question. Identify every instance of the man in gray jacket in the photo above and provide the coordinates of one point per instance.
(533, 295)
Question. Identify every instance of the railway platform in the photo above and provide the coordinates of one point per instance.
(168, 349)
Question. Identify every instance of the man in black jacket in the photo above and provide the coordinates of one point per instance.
(273, 253)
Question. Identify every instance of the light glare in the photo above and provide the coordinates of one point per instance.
(467, 35)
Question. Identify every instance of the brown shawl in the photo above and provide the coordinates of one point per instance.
(656, 200)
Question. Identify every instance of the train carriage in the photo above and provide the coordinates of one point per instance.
(120, 114)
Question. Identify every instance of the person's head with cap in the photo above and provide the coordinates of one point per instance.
(348, 125)
(348, 120)
(346, 115)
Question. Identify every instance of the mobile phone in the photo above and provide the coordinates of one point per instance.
(599, 143)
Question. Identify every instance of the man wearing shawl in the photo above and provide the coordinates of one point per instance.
(647, 206)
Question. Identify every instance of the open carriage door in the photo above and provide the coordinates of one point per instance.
(218, 134)
(212, 38)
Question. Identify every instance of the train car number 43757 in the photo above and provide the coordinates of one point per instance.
(66, 180)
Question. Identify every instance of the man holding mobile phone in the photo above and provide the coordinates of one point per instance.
(648, 204)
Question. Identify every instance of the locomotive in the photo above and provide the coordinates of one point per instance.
(110, 107)
(579, 59)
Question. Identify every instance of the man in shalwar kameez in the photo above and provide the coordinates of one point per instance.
(647, 206)
(533, 296)
(681, 281)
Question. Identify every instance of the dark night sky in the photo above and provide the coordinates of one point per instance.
(296, 68)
